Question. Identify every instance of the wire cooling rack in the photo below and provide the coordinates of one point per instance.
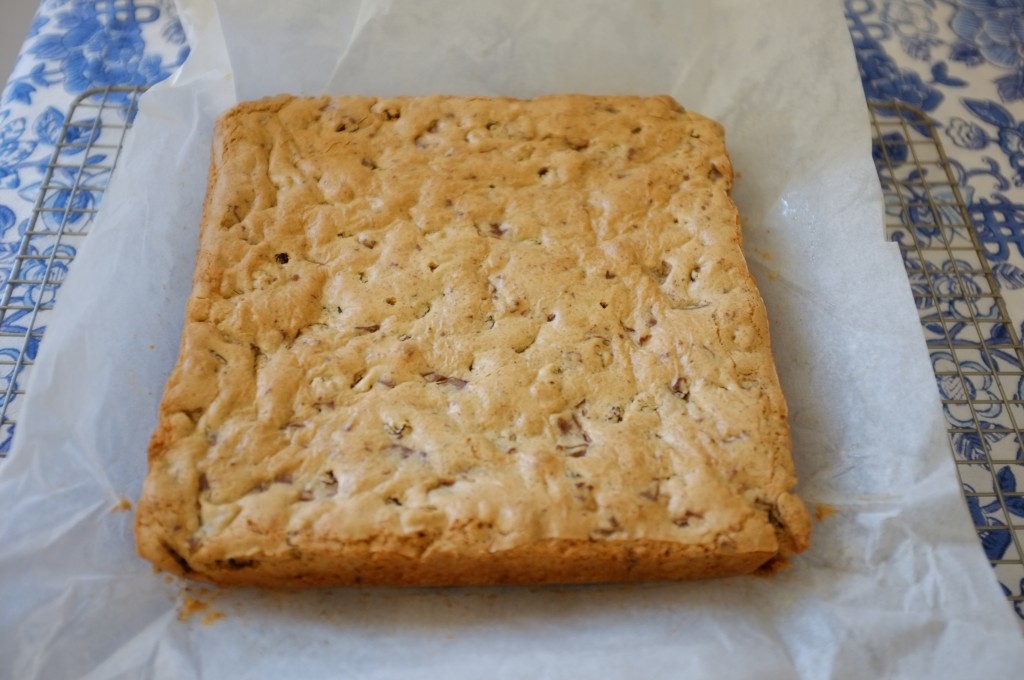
(76, 176)
(975, 349)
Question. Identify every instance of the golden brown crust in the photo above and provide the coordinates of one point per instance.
(464, 340)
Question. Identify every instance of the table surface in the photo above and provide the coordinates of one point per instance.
(959, 62)
(15, 18)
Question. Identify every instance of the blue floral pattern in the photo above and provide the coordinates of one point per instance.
(913, 23)
(996, 30)
(992, 517)
(72, 47)
(961, 64)
(966, 134)
(885, 81)
(95, 44)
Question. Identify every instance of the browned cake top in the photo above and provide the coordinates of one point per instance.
(466, 325)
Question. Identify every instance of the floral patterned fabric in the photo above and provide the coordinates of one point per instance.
(72, 47)
(960, 62)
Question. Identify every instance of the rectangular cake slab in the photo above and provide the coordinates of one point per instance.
(442, 340)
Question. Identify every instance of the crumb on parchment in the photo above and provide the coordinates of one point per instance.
(195, 601)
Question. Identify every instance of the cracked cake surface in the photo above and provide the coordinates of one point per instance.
(448, 340)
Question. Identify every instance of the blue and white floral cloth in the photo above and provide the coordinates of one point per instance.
(961, 62)
(72, 47)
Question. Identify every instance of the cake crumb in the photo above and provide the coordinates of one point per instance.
(213, 617)
(190, 606)
(123, 505)
(197, 602)
(823, 511)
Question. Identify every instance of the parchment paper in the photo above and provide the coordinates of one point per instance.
(895, 584)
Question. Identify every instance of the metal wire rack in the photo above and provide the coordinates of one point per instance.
(975, 349)
(87, 150)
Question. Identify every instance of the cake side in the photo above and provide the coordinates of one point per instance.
(460, 340)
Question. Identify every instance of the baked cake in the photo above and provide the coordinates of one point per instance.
(443, 340)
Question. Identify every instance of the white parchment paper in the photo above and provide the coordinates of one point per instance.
(895, 584)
